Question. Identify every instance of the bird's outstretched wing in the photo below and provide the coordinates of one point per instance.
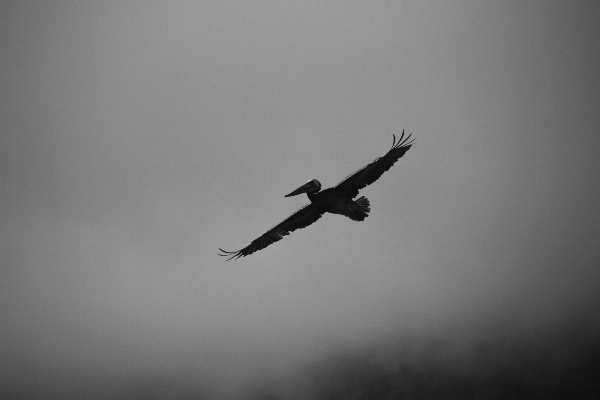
(371, 172)
(300, 219)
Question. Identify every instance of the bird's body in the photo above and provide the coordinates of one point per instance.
(336, 200)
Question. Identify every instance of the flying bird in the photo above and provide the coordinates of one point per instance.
(335, 200)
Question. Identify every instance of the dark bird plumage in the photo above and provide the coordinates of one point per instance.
(335, 200)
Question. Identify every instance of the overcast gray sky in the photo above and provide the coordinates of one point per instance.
(137, 138)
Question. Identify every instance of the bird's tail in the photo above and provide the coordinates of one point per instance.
(363, 209)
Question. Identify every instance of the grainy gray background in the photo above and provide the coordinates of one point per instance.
(137, 138)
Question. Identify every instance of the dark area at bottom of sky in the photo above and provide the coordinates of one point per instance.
(561, 363)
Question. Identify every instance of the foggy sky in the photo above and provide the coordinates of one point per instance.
(137, 138)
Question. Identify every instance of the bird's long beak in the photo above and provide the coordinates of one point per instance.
(307, 187)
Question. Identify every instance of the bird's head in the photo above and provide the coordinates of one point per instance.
(312, 186)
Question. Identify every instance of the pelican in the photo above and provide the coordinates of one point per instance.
(335, 200)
